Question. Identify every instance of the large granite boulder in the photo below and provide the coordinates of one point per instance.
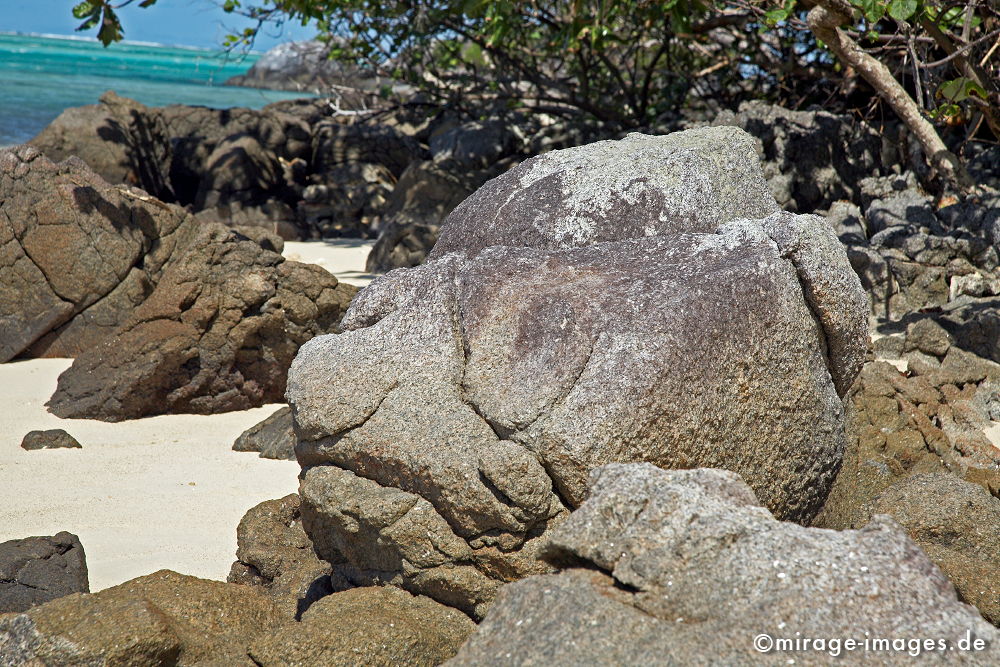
(34, 570)
(685, 567)
(689, 181)
(163, 618)
(458, 416)
(377, 625)
(957, 524)
(218, 333)
(76, 254)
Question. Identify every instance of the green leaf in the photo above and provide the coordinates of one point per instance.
(960, 89)
(83, 10)
(902, 10)
(111, 29)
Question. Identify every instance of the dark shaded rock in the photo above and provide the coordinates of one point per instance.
(76, 255)
(163, 618)
(474, 144)
(810, 158)
(119, 139)
(425, 194)
(372, 626)
(905, 208)
(657, 562)
(347, 200)
(689, 181)
(35, 570)
(274, 437)
(336, 144)
(50, 439)
(275, 553)
(217, 334)
(957, 524)
(457, 417)
(929, 420)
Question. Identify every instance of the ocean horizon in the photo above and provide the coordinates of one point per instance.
(42, 75)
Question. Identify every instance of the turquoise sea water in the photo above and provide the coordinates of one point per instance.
(42, 75)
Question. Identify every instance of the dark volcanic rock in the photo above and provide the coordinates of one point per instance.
(371, 626)
(35, 570)
(76, 255)
(810, 158)
(217, 334)
(957, 524)
(684, 567)
(274, 437)
(275, 553)
(163, 618)
(456, 419)
(51, 439)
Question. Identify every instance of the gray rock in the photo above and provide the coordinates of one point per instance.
(957, 524)
(51, 439)
(690, 181)
(34, 570)
(467, 399)
(274, 437)
(927, 336)
(684, 567)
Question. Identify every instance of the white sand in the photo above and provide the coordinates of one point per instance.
(344, 258)
(145, 494)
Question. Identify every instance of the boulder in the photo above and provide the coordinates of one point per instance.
(55, 438)
(34, 570)
(457, 417)
(371, 626)
(690, 181)
(685, 567)
(274, 552)
(163, 618)
(119, 139)
(216, 334)
(957, 524)
(76, 255)
(274, 437)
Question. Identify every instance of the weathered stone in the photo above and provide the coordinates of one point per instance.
(76, 254)
(899, 426)
(468, 399)
(34, 570)
(51, 439)
(684, 567)
(957, 524)
(163, 618)
(691, 181)
(274, 437)
(217, 334)
(372, 626)
(274, 552)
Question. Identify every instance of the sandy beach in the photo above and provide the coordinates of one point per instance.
(161, 492)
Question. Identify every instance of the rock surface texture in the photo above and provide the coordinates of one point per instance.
(457, 417)
(684, 567)
(274, 437)
(163, 618)
(55, 438)
(35, 570)
(378, 625)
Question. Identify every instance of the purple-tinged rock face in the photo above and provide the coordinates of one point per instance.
(468, 399)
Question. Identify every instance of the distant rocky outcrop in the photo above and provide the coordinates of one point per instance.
(34, 570)
(631, 301)
(655, 562)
